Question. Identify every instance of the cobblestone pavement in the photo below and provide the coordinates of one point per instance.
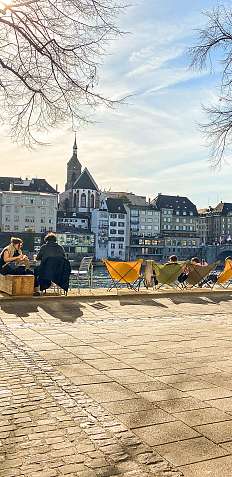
(134, 387)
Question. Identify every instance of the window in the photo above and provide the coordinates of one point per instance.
(121, 232)
(7, 218)
(149, 212)
(177, 220)
(92, 201)
(82, 221)
(184, 213)
(177, 227)
(191, 213)
(113, 231)
(16, 218)
(112, 246)
(120, 246)
(121, 216)
(83, 201)
(113, 216)
(177, 212)
(121, 224)
(8, 208)
(113, 224)
(120, 252)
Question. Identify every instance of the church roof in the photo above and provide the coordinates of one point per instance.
(85, 181)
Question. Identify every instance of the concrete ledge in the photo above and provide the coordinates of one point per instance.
(103, 294)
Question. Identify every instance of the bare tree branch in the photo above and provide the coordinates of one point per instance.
(50, 53)
(215, 47)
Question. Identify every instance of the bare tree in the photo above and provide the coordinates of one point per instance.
(214, 48)
(50, 54)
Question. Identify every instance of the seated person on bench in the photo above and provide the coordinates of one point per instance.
(14, 262)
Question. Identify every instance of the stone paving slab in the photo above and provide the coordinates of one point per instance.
(135, 388)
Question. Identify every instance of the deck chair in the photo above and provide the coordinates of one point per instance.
(197, 273)
(168, 273)
(225, 276)
(124, 273)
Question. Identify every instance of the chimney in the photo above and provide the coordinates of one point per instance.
(56, 187)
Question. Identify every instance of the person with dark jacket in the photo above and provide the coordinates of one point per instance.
(54, 266)
(50, 248)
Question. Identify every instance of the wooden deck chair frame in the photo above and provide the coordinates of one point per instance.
(225, 284)
(122, 279)
(172, 283)
(201, 277)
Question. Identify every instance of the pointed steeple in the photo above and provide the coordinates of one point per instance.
(73, 168)
(75, 145)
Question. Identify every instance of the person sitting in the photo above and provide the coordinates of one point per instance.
(50, 249)
(54, 267)
(172, 260)
(14, 262)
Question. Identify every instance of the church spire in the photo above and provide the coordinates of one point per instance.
(73, 168)
(75, 144)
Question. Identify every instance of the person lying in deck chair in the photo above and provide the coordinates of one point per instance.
(184, 273)
(14, 262)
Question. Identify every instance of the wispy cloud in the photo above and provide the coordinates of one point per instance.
(150, 144)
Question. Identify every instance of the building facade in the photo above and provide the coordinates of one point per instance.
(27, 205)
(72, 220)
(178, 226)
(110, 226)
(81, 191)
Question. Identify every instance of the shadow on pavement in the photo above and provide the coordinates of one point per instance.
(141, 301)
(67, 312)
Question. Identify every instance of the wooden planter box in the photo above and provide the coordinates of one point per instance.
(17, 285)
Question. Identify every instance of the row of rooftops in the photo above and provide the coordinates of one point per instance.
(116, 201)
(17, 184)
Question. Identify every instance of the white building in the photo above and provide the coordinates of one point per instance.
(111, 228)
(72, 220)
(27, 205)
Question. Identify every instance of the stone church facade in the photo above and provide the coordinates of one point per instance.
(81, 191)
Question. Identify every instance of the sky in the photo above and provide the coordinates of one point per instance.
(152, 143)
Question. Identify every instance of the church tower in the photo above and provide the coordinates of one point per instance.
(73, 168)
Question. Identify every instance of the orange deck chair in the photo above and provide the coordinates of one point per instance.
(226, 276)
(124, 273)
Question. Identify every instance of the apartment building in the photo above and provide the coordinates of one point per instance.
(178, 225)
(110, 226)
(27, 205)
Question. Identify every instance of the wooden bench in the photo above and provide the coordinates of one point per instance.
(17, 285)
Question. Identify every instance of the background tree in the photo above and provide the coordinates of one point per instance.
(50, 53)
(214, 47)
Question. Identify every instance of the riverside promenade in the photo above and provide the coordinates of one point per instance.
(127, 386)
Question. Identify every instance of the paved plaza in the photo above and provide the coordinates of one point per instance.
(136, 386)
